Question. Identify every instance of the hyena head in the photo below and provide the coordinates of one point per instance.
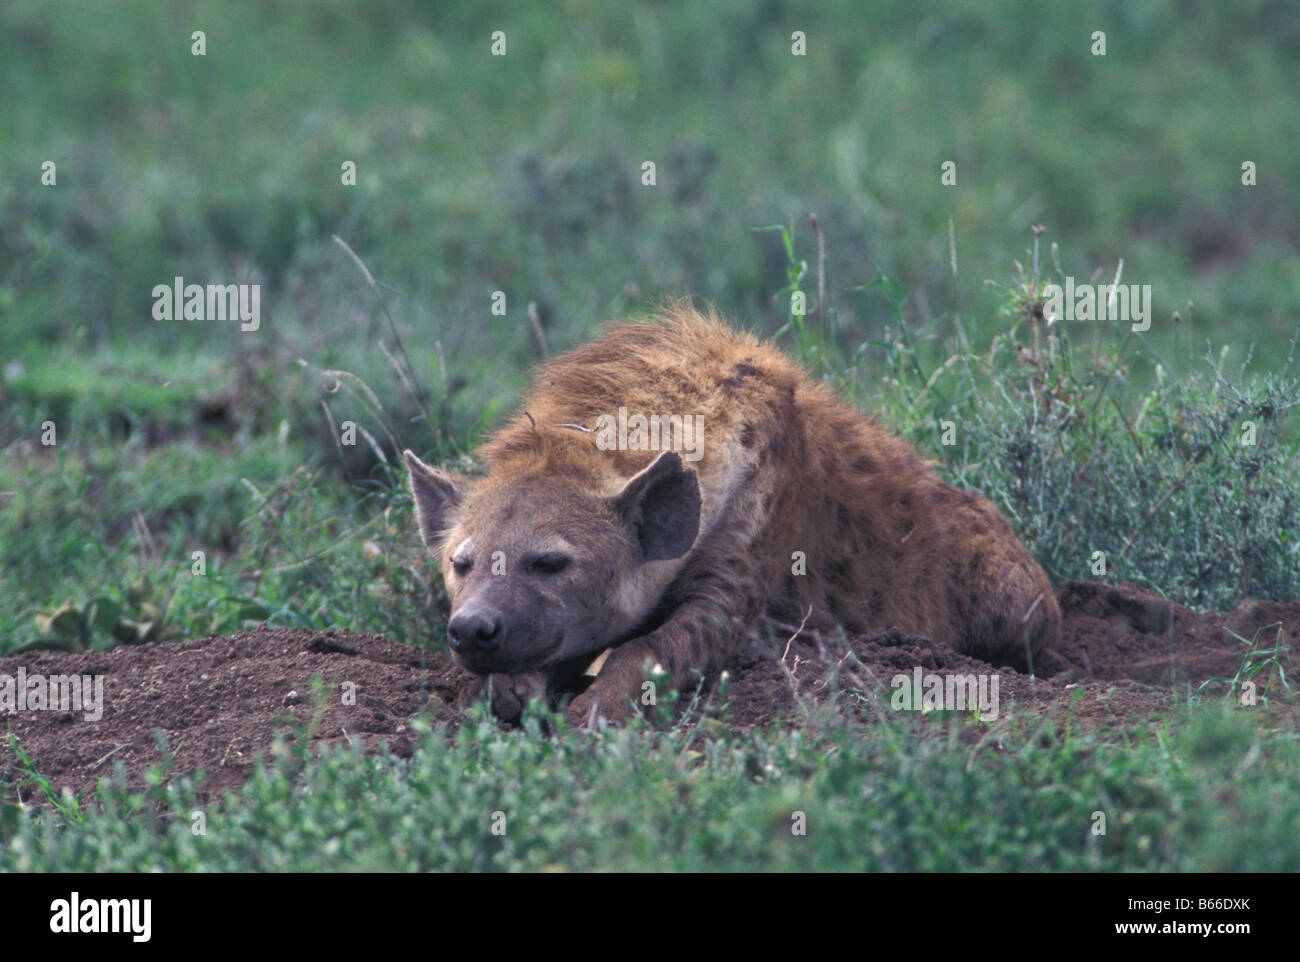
(543, 568)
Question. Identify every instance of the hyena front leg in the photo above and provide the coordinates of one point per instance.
(714, 599)
(695, 643)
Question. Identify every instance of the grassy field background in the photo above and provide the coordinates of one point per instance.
(522, 174)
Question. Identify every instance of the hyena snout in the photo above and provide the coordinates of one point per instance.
(476, 632)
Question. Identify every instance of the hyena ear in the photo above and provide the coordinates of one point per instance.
(662, 506)
(436, 496)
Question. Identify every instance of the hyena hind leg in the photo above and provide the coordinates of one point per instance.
(1003, 598)
(1012, 618)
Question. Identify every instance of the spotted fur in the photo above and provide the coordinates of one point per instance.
(671, 561)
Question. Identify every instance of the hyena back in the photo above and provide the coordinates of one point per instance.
(791, 504)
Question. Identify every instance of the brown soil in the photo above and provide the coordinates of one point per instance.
(1127, 658)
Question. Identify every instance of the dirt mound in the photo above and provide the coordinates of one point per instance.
(1127, 657)
(219, 701)
(1123, 631)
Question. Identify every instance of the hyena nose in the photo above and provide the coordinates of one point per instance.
(479, 629)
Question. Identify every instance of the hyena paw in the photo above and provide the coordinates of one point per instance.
(611, 701)
(469, 689)
(511, 693)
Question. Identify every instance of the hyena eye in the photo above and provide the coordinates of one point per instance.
(548, 564)
(461, 566)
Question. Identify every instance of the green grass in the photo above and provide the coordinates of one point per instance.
(521, 173)
(280, 546)
(1209, 793)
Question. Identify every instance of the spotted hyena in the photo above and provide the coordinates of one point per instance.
(665, 486)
